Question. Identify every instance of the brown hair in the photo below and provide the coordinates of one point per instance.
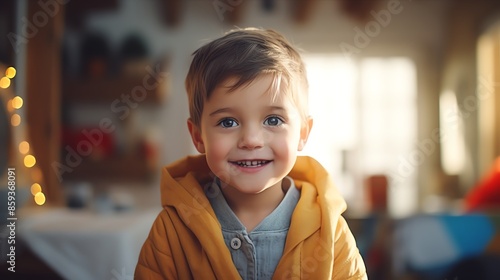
(246, 54)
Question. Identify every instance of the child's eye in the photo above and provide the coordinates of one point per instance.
(273, 121)
(227, 122)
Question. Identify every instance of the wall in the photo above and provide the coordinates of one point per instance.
(417, 29)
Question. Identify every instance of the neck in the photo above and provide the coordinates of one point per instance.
(251, 209)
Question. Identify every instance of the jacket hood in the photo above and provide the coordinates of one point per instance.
(314, 225)
(319, 204)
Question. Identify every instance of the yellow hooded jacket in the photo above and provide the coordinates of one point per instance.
(186, 242)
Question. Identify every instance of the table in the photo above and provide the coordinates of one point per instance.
(84, 245)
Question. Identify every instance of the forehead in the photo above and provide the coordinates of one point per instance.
(264, 86)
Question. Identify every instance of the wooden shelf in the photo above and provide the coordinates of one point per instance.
(126, 89)
(107, 90)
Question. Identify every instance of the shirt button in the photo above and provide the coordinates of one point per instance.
(235, 243)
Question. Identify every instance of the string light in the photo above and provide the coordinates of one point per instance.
(4, 82)
(17, 102)
(35, 188)
(15, 120)
(40, 198)
(24, 147)
(29, 161)
(10, 72)
(10, 108)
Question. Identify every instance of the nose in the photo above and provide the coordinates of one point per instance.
(251, 137)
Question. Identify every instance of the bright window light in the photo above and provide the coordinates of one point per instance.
(365, 123)
(452, 129)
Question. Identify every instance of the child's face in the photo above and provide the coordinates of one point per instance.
(250, 140)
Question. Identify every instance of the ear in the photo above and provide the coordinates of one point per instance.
(195, 132)
(304, 133)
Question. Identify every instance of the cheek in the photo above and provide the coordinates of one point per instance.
(286, 145)
(217, 146)
(217, 153)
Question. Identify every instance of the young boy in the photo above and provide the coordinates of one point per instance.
(249, 207)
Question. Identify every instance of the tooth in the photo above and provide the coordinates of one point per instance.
(254, 162)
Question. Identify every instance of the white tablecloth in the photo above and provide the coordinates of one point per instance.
(83, 245)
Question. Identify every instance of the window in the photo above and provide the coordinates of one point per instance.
(365, 123)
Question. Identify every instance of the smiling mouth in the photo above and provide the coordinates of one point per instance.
(251, 163)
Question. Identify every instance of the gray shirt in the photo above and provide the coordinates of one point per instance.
(257, 253)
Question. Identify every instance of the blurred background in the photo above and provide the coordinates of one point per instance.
(404, 94)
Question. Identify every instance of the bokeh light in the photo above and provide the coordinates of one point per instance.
(15, 120)
(29, 161)
(40, 198)
(24, 147)
(10, 72)
(35, 188)
(17, 102)
(4, 82)
(10, 108)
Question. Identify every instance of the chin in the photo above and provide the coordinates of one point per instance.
(253, 187)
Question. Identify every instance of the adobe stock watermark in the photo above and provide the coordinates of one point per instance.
(122, 107)
(363, 37)
(200, 199)
(322, 253)
(408, 163)
(223, 6)
(30, 27)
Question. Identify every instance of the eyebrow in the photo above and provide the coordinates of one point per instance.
(221, 110)
(229, 110)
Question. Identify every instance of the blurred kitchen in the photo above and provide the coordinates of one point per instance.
(404, 94)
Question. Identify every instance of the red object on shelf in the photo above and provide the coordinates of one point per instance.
(101, 143)
(377, 185)
(486, 193)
